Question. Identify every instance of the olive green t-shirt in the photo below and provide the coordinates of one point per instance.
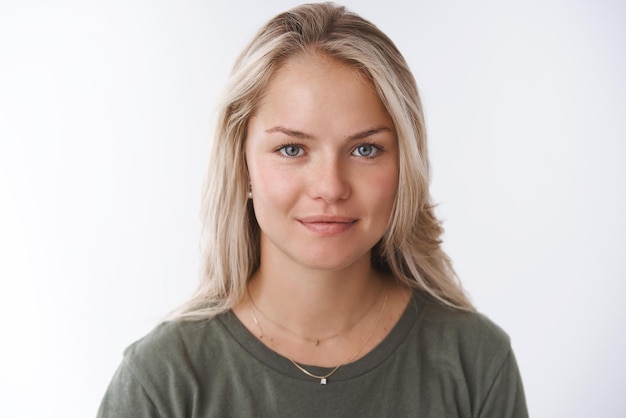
(436, 362)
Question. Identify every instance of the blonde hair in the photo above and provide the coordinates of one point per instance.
(410, 248)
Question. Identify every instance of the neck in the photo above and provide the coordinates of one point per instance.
(316, 304)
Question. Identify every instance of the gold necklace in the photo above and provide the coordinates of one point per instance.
(322, 378)
(315, 341)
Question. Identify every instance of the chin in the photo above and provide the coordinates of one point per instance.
(332, 262)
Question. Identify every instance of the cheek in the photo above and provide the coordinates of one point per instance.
(266, 179)
(272, 189)
(383, 189)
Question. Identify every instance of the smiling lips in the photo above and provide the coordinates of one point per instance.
(327, 225)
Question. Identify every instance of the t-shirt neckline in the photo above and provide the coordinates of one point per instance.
(368, 362)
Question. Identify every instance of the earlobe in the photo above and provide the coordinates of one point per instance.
(247, 175)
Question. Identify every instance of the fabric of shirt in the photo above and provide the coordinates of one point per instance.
(436, 362)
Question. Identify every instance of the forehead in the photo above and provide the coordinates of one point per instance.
(317, 90)
(309, 67)
(319, 60)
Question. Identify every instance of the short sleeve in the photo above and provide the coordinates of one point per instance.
(125, 397)
(505, 398)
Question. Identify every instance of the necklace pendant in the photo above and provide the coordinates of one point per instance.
(323, 381)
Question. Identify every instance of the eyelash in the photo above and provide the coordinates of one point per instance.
(376, 150)
(282, 147)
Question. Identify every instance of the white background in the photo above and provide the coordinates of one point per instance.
(104, 128)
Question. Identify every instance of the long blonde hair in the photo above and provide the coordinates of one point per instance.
(411, 246)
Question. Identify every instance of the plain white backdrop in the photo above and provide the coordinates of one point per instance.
(104, 134)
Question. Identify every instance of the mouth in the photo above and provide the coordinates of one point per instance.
(327, 225)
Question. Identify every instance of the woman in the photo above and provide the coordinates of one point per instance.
(325, 289)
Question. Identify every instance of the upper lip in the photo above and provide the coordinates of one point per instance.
(326, 219)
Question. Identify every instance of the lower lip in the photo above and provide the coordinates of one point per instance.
(328, 228)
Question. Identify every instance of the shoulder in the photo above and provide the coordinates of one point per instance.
(468, 352)
(467, 341)
(171, 335)
(173, 351)
(159, 373)
(468, 328)
(175, 341)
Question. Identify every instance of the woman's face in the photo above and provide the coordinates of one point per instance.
(322, 156)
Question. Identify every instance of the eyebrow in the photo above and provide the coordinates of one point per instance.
(301, 135)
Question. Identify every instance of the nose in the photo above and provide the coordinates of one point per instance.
(329, 181)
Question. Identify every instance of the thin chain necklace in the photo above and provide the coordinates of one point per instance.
(315, 341)
(322, 378)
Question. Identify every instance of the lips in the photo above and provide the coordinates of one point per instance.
(327, 225)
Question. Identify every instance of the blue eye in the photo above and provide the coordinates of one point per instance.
(291, 150)
(365, 150)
